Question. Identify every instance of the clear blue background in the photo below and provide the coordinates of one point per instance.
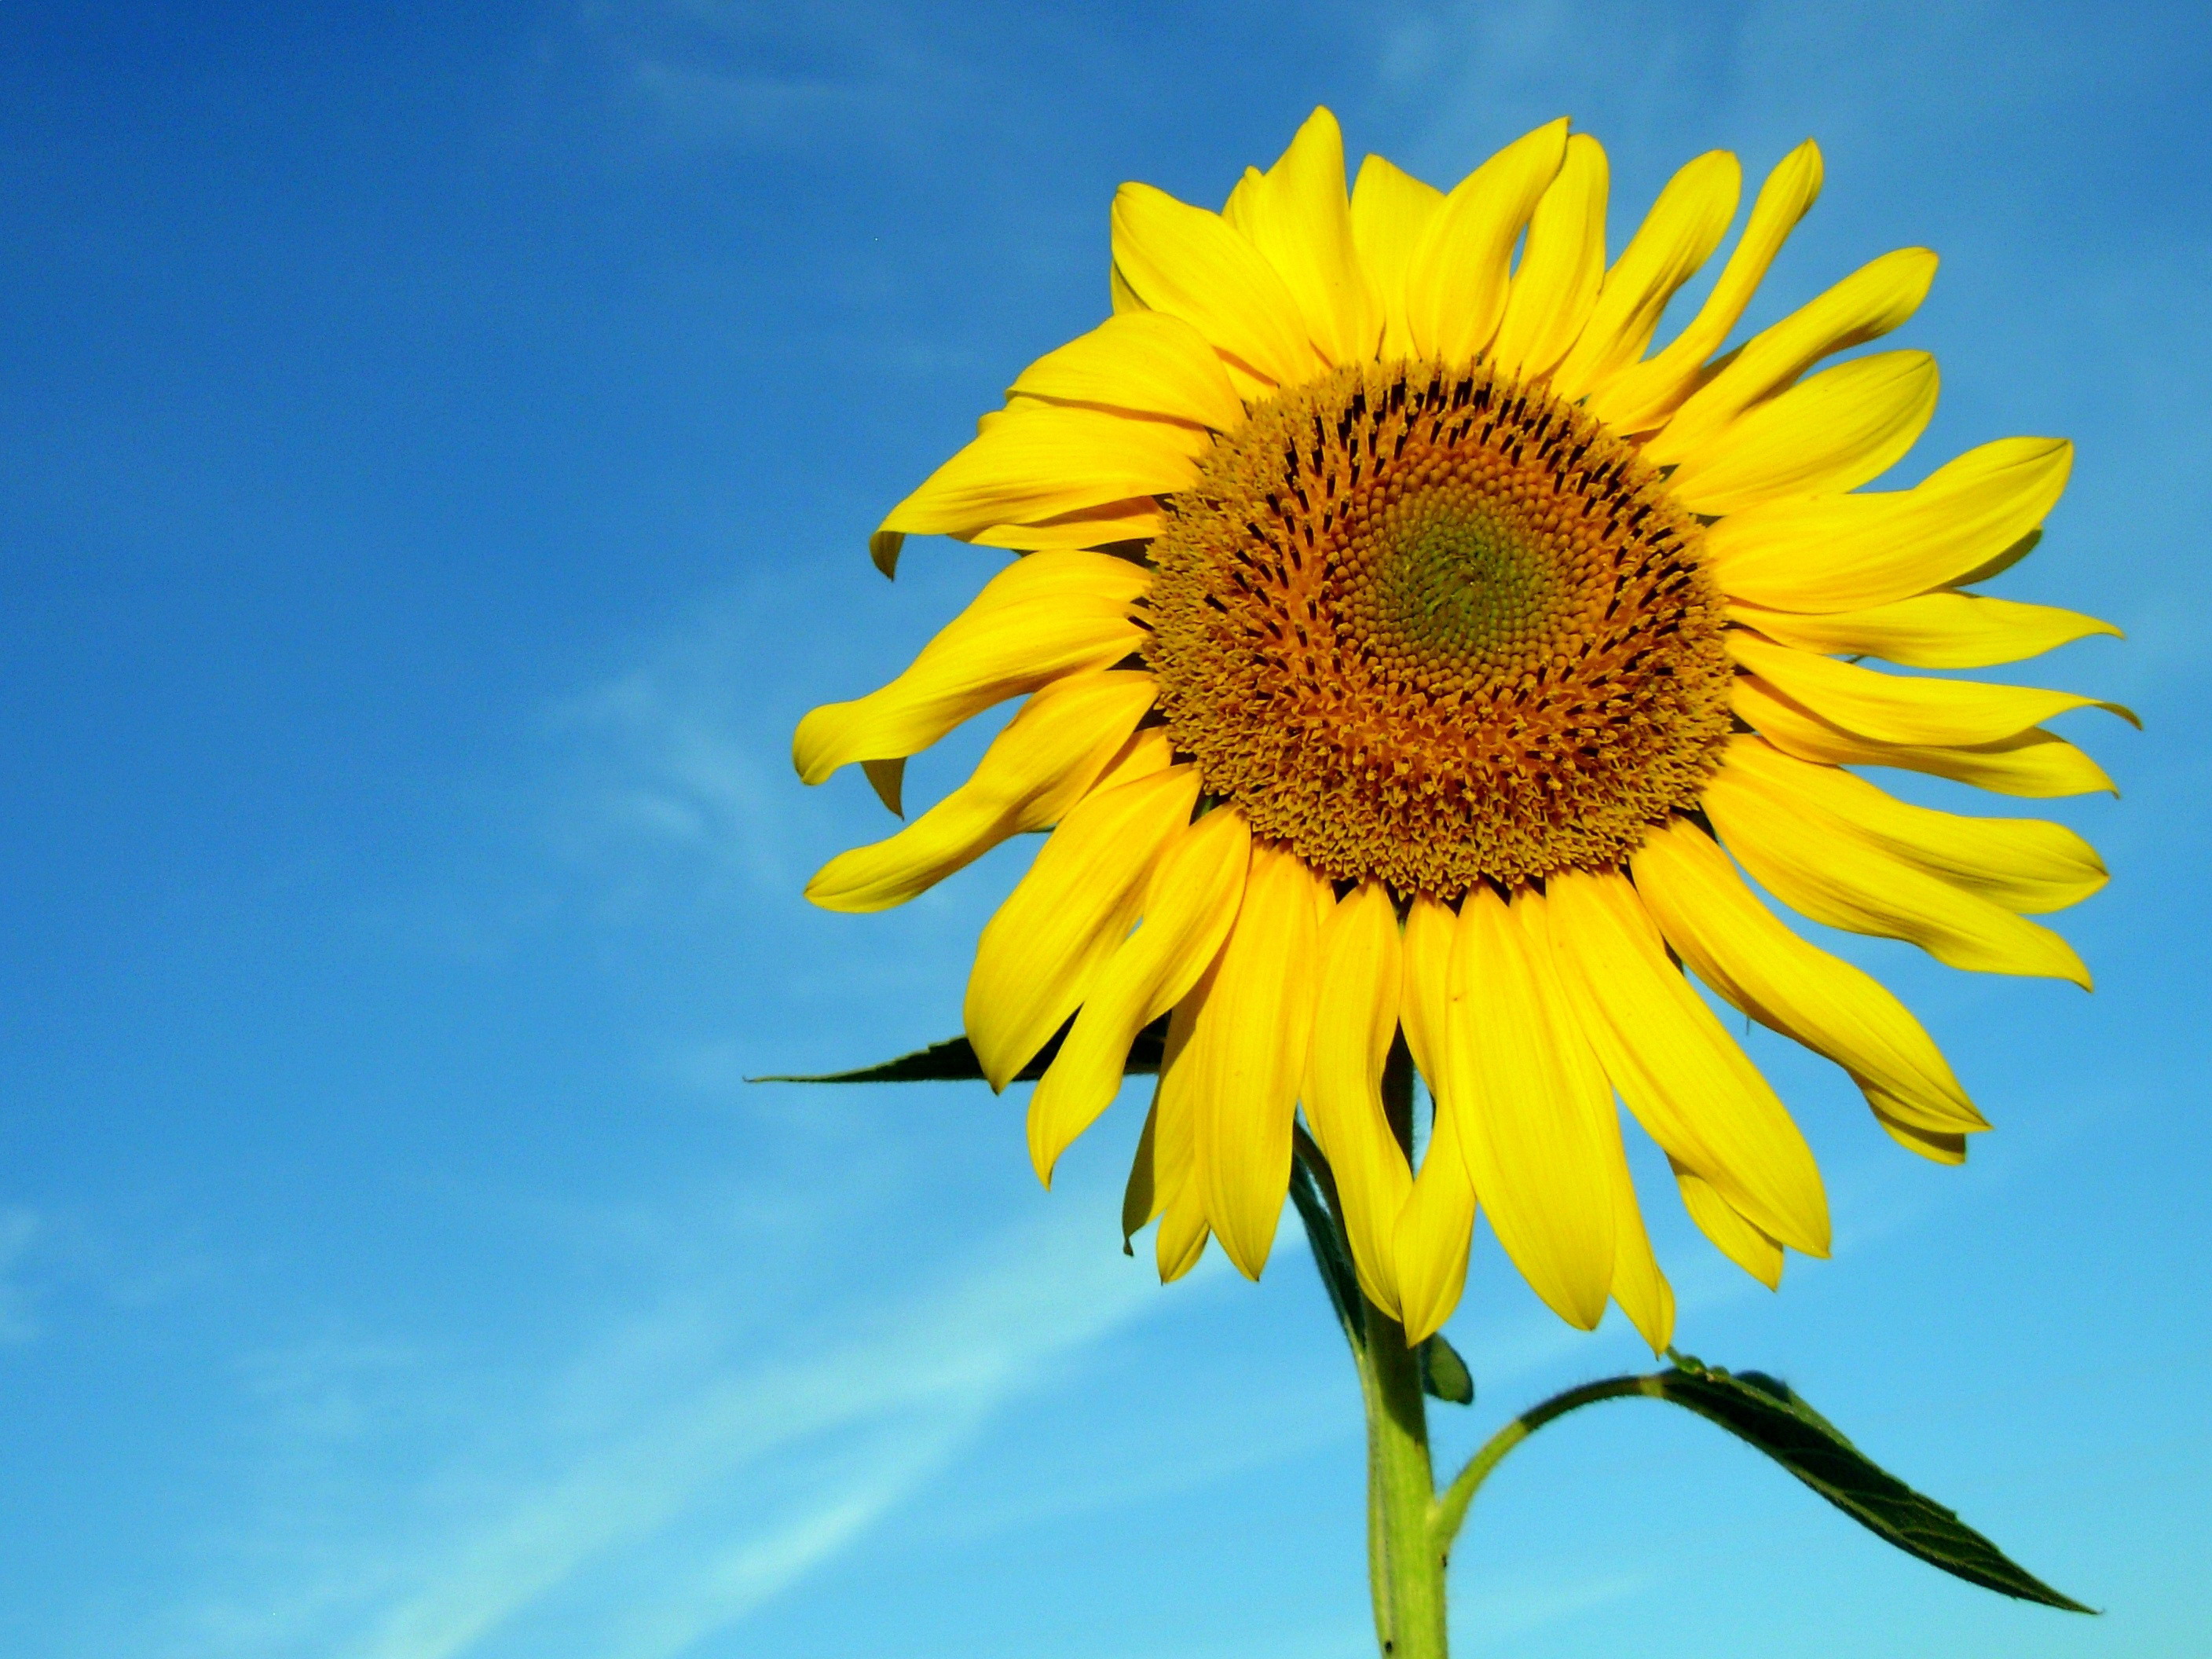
(439, 444)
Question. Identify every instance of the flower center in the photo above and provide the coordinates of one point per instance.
(1435, 627)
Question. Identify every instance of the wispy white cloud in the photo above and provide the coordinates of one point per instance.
(724, 74)
(676, 1477)
(669, 763)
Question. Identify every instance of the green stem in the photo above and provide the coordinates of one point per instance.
(1451, 1507)
(1409, 1591)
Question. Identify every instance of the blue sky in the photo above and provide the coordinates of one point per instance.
(439, 446)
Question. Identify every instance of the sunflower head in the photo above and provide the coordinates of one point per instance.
(1415, 656)
(1432, 627)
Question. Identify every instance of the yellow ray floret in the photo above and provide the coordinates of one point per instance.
(1534, 1103)
(1191, 899)
(1355, 1017)
(1046, 616)
(1043, 762)
(2035, 763)
(1740, 948)
(1248, 1057)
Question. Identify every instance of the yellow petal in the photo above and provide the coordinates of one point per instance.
(1176, 1195)
(1236, 211)
(1146, 361)
(2035, 763)
(1433, 1233)
(1048, 755)
(1456, 281)
(1678, 235)
(1866, 305)
(1534, 1101)
(1737, 1239)
(1846, 552)
(1638, 1286)
(1809, 860)
(1191, 901)
(1355, 1019)
(1930, 630)
(1390, 213)
(1688, 1083)
(1038, 956)
(1102, 526)
(1298, 215)
(1555, 286)
(1046, 616)
(1640, 397)
(1190, 264)
(1183, 1232)
(1437, 1221)
(2026, 865)
(1149, 750)
(1738, 947)
(1042, 460)
(1901, 709)
(1121, 298)
(1249, 1050)
(1937, 1146)
(1835, 431)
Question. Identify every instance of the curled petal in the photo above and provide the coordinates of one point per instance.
(1678, 235)
(1835, 431)
(1930, 630)
(1902, 708)
(1249, 1055)
(1192, 898)
(1457, 279)
(1738, 947)
(2027, 864)
(2036, 764)
(1191, 263)
(1868, 303)
(1046, 616)
(1688, 1083)
(1810, 860)
(1355, 1019)
(1555, 286)
(1535, 1103)
(1044, 761)
(1844, 552)
(1039, 955)
(1037, 461)
(1642, 397)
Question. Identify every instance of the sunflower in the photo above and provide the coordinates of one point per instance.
(1411, 652)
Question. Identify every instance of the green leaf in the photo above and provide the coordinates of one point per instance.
(1766, 1412)
(954, 1062)
(1444, 1374)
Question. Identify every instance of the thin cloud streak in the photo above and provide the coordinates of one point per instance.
(910, 1389)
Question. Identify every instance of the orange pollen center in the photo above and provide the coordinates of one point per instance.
(1434, 627)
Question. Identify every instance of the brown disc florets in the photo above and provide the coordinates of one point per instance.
(1434, 627)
